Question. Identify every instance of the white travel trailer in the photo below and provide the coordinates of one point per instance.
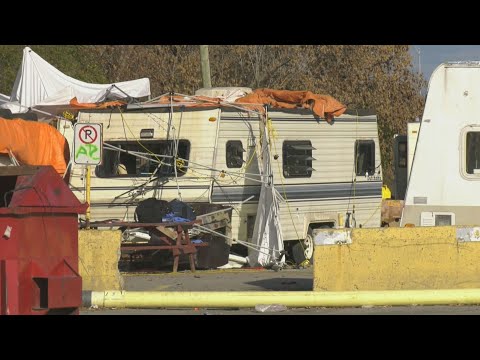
(445, 174)
(314, 166)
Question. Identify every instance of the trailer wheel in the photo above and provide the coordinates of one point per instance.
(302, 251)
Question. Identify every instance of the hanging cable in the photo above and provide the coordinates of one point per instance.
(272, 130)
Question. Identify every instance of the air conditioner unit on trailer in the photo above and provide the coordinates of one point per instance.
(429, 218)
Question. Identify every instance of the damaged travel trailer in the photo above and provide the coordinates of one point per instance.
(445, 173)
(326, 175)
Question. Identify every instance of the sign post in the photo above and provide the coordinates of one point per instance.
(87, 150)
(87, 196)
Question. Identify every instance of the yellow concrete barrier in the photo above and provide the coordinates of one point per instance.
(397, 259)
(99, 253)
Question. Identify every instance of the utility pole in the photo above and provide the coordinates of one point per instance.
(205, 63)
(419, 52)
(417, 49)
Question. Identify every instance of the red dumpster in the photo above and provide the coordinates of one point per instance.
(38, 242)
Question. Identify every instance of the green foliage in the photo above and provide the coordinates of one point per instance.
(77, 61)
(10, 60)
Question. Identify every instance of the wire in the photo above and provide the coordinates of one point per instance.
(224, 103)
(175, 150)
(354, 168)
(373, 213)
(355, 165)
(241, 242)
(236, 173)
(274, 134)
(226, 195)
(135, 138)
(148, 150)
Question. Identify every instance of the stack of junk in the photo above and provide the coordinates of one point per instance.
(32, 114)
(51, 148)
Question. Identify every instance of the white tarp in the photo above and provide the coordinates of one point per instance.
(39, 83)
(267, 232)
(229, 94)
(4, 99)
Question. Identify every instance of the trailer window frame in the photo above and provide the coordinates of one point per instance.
(402, 154)
(297, 154)
(467, 167)
(369, 164)
(137, 167)
(234, 154)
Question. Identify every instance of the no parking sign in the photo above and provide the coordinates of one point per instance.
(87, 144)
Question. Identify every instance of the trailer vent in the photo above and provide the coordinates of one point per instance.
(428, 218)
(420, 200)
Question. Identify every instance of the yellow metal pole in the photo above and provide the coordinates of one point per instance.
(241, 299)
(87, 196)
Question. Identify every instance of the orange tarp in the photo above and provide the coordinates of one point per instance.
(34, 143)
(105, 105)
(323, 106)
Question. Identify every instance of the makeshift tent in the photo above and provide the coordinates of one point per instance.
(40, 84)
(267, 232)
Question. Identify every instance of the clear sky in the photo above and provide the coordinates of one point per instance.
(433, 55)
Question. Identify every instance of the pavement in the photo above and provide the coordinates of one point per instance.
(254, 280)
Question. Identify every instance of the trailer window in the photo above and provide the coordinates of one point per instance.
(135, 160)
(364, 157)
(402, 154)
(297, 159)
(234, 154)
(473, 152)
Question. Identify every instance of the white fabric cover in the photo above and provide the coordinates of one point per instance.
(39, 83)
(4, 99)
(267, 232)
(229, 94)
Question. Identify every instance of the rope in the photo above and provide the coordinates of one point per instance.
(273, 133)
(373, 213)
(131, 132)
(224, 103)
(13, 159)
(175, 147)
(226, 195)
(355, 160)
(124, 122)
(241, 242)
(354, 168)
